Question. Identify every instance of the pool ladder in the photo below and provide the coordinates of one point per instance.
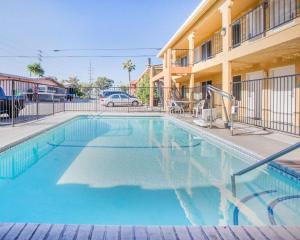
(260, 163)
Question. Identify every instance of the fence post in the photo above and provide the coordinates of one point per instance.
(96, 104)
(36, 93)
(13, 104)
(128, 97)
(53, 104)
(64, 104)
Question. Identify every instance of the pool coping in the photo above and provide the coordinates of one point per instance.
(29, 231)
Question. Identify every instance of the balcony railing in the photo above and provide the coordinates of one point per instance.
(266, 16)
(181, 57)
(271, 103)
(209, 48)
(157, 69)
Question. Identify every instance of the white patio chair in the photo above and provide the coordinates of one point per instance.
(198, 108)
(174, 107)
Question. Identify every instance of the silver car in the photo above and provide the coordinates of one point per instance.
(121, 100)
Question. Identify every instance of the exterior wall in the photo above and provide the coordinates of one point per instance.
(247, 57)
(267, 90)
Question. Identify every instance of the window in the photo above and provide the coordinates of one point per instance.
(184, 61)
(115, 96)
(237, 87)
(206, 50)
(197, 54)
(204, 90)
(124, 96)
(236, 34)
(183, 92)
(42, 89)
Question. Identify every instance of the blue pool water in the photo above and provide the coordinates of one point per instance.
(137, 170)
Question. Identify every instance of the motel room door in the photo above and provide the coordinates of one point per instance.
(282, 87)
(255, 94)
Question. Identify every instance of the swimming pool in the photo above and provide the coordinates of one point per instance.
(137, 171)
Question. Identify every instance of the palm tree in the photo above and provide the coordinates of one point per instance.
(129, 65)
(35, 69)
(74, 81)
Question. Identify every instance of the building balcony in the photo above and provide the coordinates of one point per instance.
(268, 15)
(209, 48)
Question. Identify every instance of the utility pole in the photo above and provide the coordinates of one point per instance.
(40, 56)
(90, 78)
(90, 73)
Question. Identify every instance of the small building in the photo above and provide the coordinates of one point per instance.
(47, 88)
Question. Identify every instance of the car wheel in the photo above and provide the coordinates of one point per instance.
(135, 103)
(110, 104)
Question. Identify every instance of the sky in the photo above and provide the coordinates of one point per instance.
(29, 25)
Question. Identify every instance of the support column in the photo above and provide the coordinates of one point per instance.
(173, 60)
(167, 78)
(297, 99)
(191, 39)
(151, 85)
(225, 10)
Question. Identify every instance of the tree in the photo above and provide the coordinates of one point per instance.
(129, 66)
(86, 89)
(74, 81)
(143, 89)
(103, 83)
(124, 88)
(75, 84)
(35, 69)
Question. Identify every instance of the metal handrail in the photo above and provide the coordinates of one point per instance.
(230, 97)
(260, 163)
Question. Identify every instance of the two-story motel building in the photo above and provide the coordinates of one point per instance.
(243, 47)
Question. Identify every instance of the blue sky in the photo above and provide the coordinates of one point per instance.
(75, 24)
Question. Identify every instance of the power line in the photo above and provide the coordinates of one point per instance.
(79, 56)
(104, 49)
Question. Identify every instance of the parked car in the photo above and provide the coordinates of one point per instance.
(107, 93)
(120, 100)
(6, 104)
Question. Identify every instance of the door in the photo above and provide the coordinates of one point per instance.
(254, 93)
(115, 98)
(125, 100)
(282, 87)
(236, 34)
(197, 91)
(206, 51)
(205, 95)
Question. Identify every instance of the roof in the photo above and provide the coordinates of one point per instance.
(43, 80)
(200, 10)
